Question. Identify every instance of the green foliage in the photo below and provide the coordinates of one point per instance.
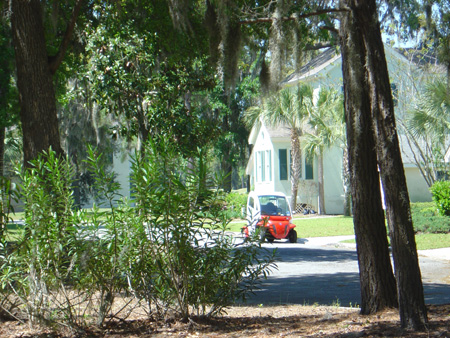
(168, 249)
(145, 72)
(440, 191)
(427, 219)
(8, 195)
(196, 263)
(235, 201)
(44, 258)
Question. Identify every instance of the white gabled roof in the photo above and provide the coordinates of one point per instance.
(315, 66)
(330, 58)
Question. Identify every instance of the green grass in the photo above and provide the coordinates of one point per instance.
(426, 241)
(324, 227)
(432, 241)
(341, 225)
(236, 226)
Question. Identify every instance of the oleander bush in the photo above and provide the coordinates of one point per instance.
(166, 249)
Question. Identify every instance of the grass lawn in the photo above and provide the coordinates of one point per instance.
(341, 226)
(324, 226)
(432, 241)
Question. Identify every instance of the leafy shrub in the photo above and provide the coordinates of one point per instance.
(235, 201)
(441, 196)
(426, 218)
(165, 247)
(192, 265)
(43, 260)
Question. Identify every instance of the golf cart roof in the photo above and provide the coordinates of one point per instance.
(271, 193)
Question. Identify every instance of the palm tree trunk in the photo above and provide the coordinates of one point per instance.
(296, 166)
(322, 210)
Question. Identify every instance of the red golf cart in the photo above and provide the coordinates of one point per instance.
(269, 214)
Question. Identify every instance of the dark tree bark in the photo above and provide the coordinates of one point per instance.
(364, 32)
(378, 289)
(35, 68)
(34, 80)
(2, 150)
(413, 313)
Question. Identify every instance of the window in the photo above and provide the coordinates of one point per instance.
(251, 202)
(269, 165)
(260, 166)
(282, 154)
(264, 166)
(309, 173)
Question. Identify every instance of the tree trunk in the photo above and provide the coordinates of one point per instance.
(413, 313)
(2, 150)
(296, 166)
(347, 189)
(227, 169)
(322, 210)
(34, 80)
(376, 277)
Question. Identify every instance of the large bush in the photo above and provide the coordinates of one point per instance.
(235, 202)
(441, 196)
(166, 248)
(426, 218)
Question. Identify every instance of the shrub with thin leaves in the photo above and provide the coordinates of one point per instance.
(45, 257)
(167, 247)
(8, 302)
(195, 265)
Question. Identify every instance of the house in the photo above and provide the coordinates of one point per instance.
(269, 162)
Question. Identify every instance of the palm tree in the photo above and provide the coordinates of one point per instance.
(326, 117)
(286, 107)
(427, 129)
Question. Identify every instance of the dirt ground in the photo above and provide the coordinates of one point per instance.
(276, 321)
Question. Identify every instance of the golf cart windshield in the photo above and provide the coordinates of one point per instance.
(274, 205)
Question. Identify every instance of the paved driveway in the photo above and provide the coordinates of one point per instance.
(320, 270)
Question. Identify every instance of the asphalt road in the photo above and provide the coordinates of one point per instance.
(321, 271)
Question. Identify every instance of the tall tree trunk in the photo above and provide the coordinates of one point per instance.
(34, 80)
(322, 210)
(226, 167)
(296, 166)
(2, 150)
(413, 313)
(347, 189)
(377, 280)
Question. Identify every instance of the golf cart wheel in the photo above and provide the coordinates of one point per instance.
(293, 236)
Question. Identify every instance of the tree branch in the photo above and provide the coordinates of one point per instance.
(55, 61)
(295, 17)
(319, 46)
